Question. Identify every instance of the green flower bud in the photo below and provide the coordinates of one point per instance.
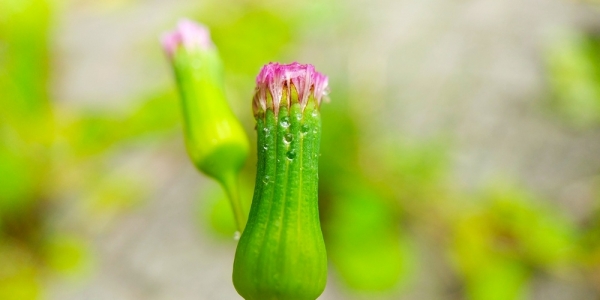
(215, 140)
(281, 253)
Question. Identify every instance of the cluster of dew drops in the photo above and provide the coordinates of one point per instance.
(288, 138)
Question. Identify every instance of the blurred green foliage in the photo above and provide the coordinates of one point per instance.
(25, 133)
(18, 273)
(365, 242)
(46, 152)
(573, 64)
(498, 245)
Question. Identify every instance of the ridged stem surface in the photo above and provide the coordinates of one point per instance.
(281, 254)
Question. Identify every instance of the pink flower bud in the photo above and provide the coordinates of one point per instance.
(188, 34)
(275, 78)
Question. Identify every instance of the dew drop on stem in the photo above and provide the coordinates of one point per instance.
(288, 138)
(304, 129)
(291, 154)
(285, 123)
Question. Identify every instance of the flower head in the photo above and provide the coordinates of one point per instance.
(278, 85)
(188, 34)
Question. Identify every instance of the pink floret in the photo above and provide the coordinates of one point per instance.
(188, 34)
(274, 77)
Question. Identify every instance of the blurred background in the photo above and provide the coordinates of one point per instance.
(460, 152)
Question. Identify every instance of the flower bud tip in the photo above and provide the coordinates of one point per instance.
(188, 34)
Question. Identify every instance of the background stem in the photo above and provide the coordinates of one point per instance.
(231, 186)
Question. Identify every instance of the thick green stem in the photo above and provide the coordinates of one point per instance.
(281, 254)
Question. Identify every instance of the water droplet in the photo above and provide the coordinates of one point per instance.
(288, 138)
(266, 180)
(304, 129)
(315, 113)
(285, 122)
(291, 154)
(237, 235)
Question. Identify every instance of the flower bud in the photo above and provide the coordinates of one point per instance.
(215, 139)
(281, 253)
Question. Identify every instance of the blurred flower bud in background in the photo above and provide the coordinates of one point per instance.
(215, 139)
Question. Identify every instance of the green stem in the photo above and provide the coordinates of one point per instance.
(281, 254)
(231, 187)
